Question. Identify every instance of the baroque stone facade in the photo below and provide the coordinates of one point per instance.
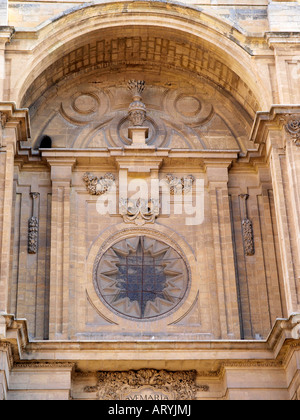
(149, 200)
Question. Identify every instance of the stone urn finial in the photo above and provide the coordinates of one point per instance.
(137, 109)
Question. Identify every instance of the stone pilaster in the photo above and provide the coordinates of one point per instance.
(217, 179)
(279, 130)
(14, 128)
(61, 176)
(287, 59)
(5, 366)
(5, 35)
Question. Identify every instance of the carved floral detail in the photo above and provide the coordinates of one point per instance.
(114, 385)
(139, 211)
(96, 185)
(293, 128)
(179, 185)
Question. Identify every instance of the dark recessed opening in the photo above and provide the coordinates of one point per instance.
(46, 143)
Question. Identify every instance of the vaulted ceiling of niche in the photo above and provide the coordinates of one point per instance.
(194, 100)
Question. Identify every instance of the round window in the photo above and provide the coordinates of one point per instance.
(141, 278)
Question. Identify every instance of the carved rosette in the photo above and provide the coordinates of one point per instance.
(137, 109)
(293, 129)
(116, 385)
(96, 185)
(139, 211)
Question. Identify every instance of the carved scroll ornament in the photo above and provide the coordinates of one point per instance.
(139, 211)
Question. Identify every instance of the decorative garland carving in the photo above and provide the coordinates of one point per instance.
(139, 211)
(248, 237)
(293, 129)
(115, 385)
(179, 185)
(33, 226)
(98, 186)
(33, 233)
(247, 227)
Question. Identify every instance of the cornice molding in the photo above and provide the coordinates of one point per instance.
(274, 352)
(278, 118)
(13, 117)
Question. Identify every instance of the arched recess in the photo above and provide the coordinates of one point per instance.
(170, 36)
(188, 59)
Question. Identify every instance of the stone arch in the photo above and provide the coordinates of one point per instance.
(198, 43)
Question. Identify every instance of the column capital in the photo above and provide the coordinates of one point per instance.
(6, 32)
(61, 169)
(279, 40)
(217, 171)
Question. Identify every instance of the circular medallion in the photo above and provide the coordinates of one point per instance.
(141, 278)
(188, 106)
(85, 103)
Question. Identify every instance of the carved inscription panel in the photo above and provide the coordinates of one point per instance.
(146, 384)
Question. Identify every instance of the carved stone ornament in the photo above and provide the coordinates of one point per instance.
(179, 185)
(33, 226)
(3, 119)
(248, 237)
(139, 211)
(293, 128)
(247, 227)
(147, 384)
(137, 109)
(33, 232)
(96, 185)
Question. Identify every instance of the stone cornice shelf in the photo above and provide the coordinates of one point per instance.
(275, 351)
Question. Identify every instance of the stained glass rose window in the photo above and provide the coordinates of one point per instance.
(141, 278)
